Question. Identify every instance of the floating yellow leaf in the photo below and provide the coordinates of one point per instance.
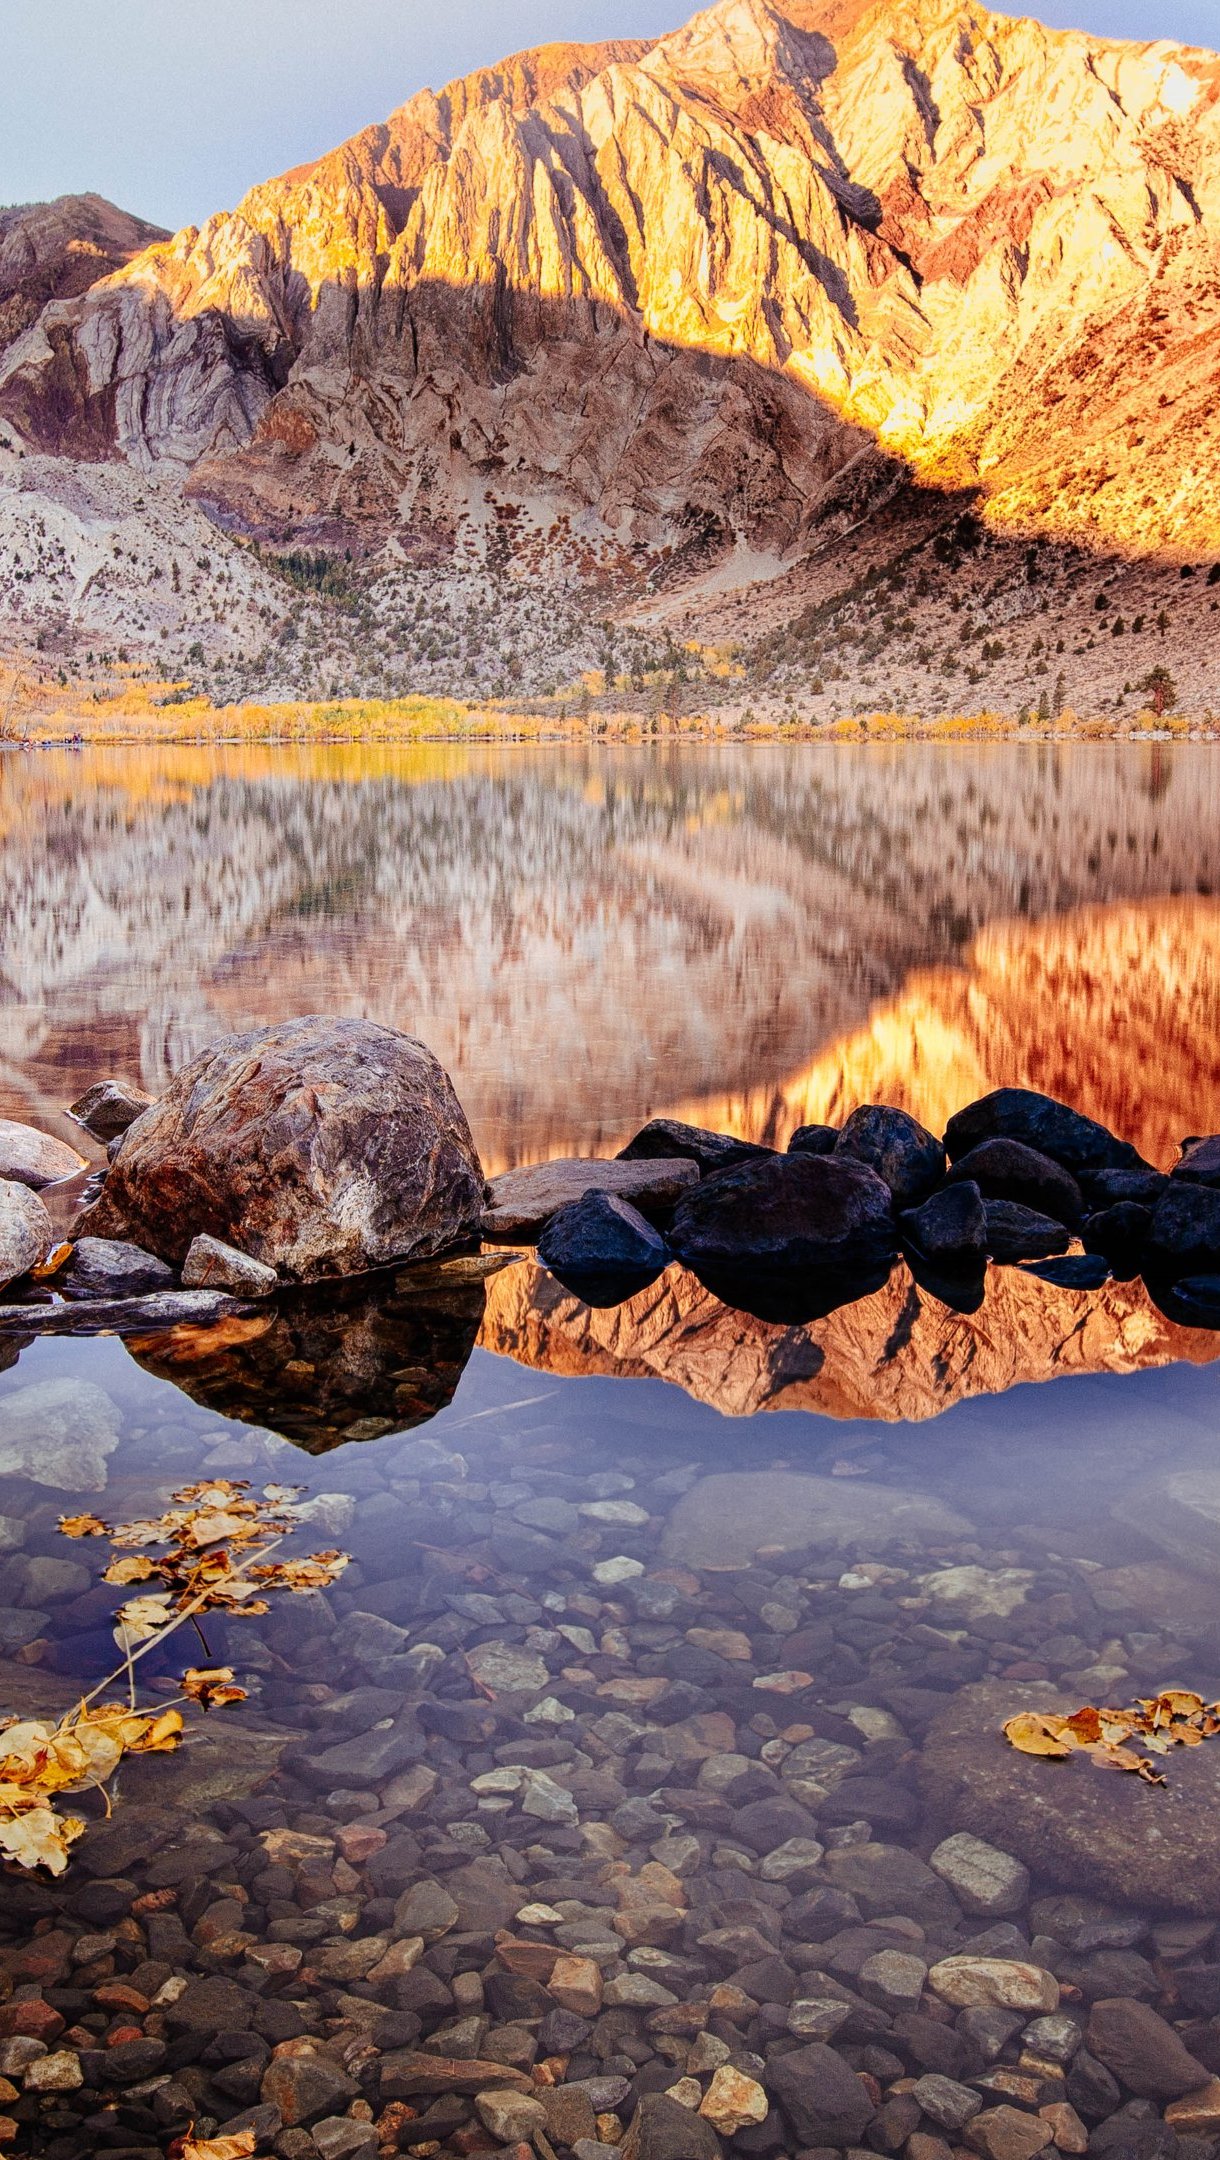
(212, 1689)
(1035, 1734)
(138, 1569)
(143, 1617)
(39, 1838)
(83, 1526)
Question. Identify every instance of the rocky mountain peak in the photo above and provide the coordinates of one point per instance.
(632, 306)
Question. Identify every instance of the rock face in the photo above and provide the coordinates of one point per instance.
(1022, 1233)
(34, 1158)
(25, 1230)
(322, 1147)
(1126, 1842)
(58, 250)
(748, 249)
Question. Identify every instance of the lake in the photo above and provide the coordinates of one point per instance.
(674, 1644)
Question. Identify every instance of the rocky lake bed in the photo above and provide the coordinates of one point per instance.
(640, 1782)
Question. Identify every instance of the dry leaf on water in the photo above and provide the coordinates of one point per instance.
(236, 2147)
(212, 1689)
(39, 1760)
(1177, 1717)
(82, 1526)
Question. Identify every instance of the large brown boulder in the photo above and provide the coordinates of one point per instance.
(323, 1147)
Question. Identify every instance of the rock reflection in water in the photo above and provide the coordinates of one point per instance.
(899, 1354)
(350, 1361)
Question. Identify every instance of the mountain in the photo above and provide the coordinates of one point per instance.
(58, 250)
(801, 270)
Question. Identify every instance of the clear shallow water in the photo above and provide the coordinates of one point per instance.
(1017, 1505)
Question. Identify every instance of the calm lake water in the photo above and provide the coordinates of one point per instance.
(662, 1587)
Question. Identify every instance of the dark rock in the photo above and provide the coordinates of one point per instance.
(303, 2087)
(1142, 2050)
(887, 1879)
(600, 1235)
(108, 1108)
(905, 1156)
(764, 1824)
(323, 1147)
(824, 2101)
(1106, 1188)
(813, 1140)
(105, 1268)
(211, 2005)
(1038, 1121)
(820, 1914)
(950, 1228)
(363, 1760)
(1193, 1302)
(1200, 1162)
(1184, 1234)
(1121, 1234)
(662, 2129)
(788, 1211)
(1021, 1233)
(152, 1315)
(664, 1139)
(1008, 1170)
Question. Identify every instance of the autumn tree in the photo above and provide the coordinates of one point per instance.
(1161, 691)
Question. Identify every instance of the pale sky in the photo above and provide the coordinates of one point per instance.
(173, 108)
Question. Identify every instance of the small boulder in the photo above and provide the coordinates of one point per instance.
(662, 2129)
(902, 1152)
(1038, 1121)
(1009, 1170)
(601, 1234)
(668, 1139)
(1120, 1233)
(788, 1211)
(983, 1879)
(1022, 1233)
(813, 1140)
(107, 1109)
(26, 1231)
(1184, 1233)
(1142, 2050)
(33, 1158)
(1199, 1163)
(512, 2118)
(212, 1265)
(824, 2101)
(950, 1229)
(104, 1267)
(323, 1147)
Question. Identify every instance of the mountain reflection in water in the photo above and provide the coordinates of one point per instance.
(383, 1354)
(757, 934)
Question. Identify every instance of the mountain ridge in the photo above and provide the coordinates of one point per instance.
(619, 313)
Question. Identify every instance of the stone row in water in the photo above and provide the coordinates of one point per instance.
(1018, 1178)
(324, 1148)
